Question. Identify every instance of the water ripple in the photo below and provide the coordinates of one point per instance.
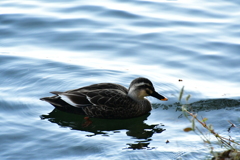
(47, 46)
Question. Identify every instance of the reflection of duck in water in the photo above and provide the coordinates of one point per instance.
(107, 100)
(134, 127)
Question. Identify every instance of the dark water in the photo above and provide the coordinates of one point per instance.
(47, 46)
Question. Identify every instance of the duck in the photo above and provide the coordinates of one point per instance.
(107, 100)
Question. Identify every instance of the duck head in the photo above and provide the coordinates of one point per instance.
(142, 87)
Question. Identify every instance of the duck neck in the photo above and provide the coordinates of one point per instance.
(135, 96)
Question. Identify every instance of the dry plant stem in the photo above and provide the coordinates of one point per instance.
(222, 139)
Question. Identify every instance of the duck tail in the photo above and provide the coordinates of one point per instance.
(54, 100)
(58, 103)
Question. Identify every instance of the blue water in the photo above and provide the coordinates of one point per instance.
(48, 46)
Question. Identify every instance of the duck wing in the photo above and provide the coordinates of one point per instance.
(100, 86)
(104, 97)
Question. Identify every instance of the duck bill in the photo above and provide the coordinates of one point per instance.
(159, 96)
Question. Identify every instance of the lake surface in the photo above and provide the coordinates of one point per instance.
(57, 46)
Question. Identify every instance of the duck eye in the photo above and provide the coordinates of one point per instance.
(149, 91)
